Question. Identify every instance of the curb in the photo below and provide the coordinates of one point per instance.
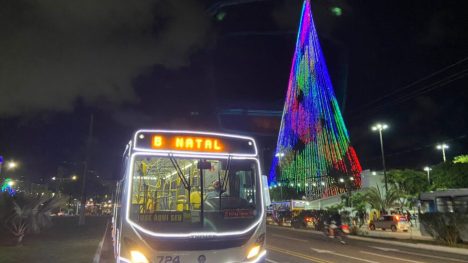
(453, 250)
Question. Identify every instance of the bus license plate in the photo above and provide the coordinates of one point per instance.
(168, 259)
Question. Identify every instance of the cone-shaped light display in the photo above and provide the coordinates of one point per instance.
(313, 153)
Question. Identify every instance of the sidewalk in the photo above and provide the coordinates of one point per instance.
(412, 234)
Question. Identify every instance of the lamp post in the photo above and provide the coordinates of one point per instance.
(279, 155)
(11, 165)
(442, 147)
(60, 180)
(428, 170)
(380, 127)
(281, 191)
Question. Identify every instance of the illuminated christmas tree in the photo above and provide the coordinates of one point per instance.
(313, 154)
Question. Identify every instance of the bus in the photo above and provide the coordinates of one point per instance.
(446, 201)
(190, 196)
(452, 201)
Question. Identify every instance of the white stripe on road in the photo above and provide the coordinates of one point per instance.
(431, 256)
(391, 257)
(343, 255)
(271, 260)
(292, 238)
(97, 255)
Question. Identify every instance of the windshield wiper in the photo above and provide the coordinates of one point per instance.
(228, 166)
(179, 172)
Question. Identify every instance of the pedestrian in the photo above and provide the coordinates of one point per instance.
(408, 217)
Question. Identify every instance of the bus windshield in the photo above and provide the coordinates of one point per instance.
(167, 194)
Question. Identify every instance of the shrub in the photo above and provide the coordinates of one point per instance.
(445, 227)
(28, 214)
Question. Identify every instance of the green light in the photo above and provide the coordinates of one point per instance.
(336, 11)
(220, 16)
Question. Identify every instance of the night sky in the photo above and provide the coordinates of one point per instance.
(174, 64)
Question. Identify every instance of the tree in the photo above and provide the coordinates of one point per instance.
(359, 203)
(449, 175)
(461, 159)
(30, 215)
(409, 182)
(381, 202)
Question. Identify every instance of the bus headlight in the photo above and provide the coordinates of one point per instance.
(138, 257)
(253, 252)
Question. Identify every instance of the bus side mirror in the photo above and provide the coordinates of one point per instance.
(266, 191)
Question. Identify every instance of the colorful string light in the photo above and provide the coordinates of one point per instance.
(313, 152)
(7, 186)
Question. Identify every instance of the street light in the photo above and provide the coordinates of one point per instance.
(380, 127)
(11, 165)
(74, 177)
(279, 154)
(428, 170)
(442, 147)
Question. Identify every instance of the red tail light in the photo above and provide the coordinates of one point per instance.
(345, 228)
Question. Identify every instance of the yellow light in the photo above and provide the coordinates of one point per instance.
(138, 257)
(253, 252)
(187, 143)
(157, 141)
(197, 143)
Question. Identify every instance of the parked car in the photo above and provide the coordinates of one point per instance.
(305, 219)
(392, 222)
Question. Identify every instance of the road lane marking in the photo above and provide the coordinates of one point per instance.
(431, 256)
(298, 255)
(321, 250)
(386, 249)
(419, 254)
(271, 260)
(343, 255)
(391, 257)
(292, 238)
(97, 255)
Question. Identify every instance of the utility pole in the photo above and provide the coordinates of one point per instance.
(81, 220)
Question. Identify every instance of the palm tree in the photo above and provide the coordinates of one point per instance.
(31, 214)
(381, 202)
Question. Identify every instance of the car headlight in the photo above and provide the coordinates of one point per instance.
(138, 257)
(253, 252)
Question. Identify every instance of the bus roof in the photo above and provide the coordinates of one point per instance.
(193, 142)
(444, 193)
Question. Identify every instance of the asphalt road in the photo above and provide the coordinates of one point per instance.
(285, 245)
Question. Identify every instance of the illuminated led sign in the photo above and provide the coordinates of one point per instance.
(187, 143)
(193, 141)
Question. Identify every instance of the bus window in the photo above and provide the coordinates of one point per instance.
(460, 204)
(444, 204)
(179, 194)
(427, 206)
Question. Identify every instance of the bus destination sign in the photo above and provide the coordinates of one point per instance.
(194, 142)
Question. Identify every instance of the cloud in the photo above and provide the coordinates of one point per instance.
(53, 52)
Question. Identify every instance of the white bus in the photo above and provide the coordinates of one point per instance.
(189, 196)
